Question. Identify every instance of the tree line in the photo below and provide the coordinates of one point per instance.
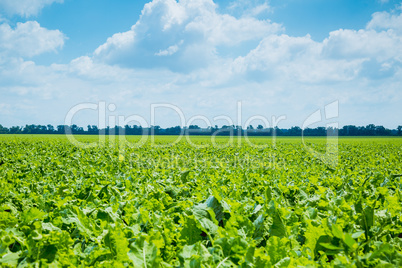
(349, 130)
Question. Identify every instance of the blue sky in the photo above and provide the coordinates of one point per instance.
(278, 58)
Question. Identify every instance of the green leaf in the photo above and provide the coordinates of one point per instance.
(206, 218)
(367, 219)
(278, 228)
(213, 203)
(357, 234)
(283, 263)
(330, 246)
(32, 214)
(190, 231)
(11, 259)
(235, 248)
(144, 254)
(198, 251)
(117, 243)
(268, 194)
(259, 227)
(337, 231)
(349, 241)
(277, 248)
(184, 176)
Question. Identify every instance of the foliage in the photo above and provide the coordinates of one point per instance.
(349, 130)
(176, 205)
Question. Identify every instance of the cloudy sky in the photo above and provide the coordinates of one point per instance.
(277, 58)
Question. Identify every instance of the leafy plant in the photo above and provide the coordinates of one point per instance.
(182, 206)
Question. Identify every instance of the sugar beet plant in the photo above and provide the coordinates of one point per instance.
(184, 206)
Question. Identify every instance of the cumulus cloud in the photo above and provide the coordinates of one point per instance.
(381, 46)
(29, 39)
(297, 58)
(188, 34)
(385, 21)
(170, 50)
(25, 8)
(174, 54)
(253, 8)
(26, 86)
(374, 53)
(193, 37)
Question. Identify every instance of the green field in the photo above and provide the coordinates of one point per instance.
(261, 202)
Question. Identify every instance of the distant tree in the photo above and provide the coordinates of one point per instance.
(42, 130)
(3, 130)
(350, 130)
(278, 131)
(61, 129)
(320, 131)
(50, 129)
(370, 130)
(31, 129)
(75, 129)
(295, 131)
(214, 129)
(155, 130)
(332, 131)
(15, 130)
(128, 130)
(137, 130)
(174, 130)
(382, 131)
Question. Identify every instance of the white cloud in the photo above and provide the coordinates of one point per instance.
(191, 35)
(381, 46)
(25, 8)
(170, 50)
(252, 8)
(385, 21)
(41, 95)
(372, 53)
(295, 58)
(29, 39)
(174, 54)
(255, 11)
(188, 33)
(276, 49)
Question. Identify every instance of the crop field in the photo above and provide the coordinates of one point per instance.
(199, 203)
